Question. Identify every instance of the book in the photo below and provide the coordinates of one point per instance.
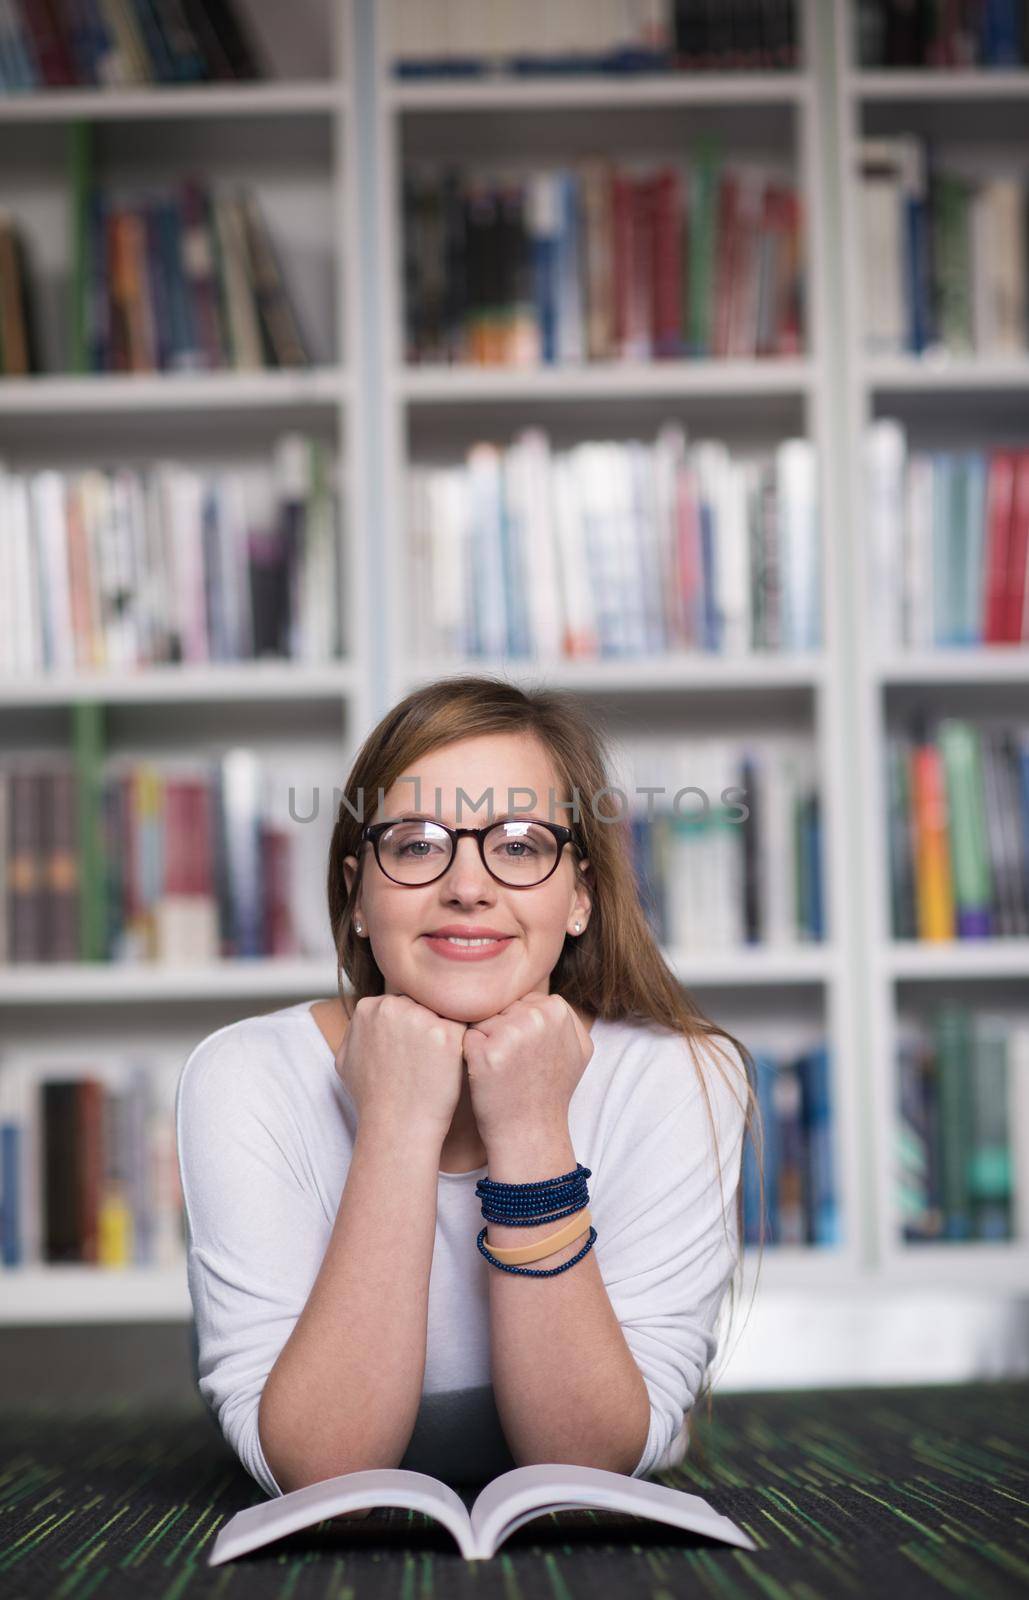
(503, 1506)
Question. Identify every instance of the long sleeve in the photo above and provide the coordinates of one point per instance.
(662, 1246)
(256, 1231)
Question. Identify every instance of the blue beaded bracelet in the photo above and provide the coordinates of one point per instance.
(525, 1205)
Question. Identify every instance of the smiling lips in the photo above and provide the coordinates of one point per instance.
(455, 944)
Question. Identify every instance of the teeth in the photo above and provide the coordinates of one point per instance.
(471, 944)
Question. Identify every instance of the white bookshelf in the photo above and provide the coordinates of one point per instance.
(339, 137)
(957, 400)
(293, 139)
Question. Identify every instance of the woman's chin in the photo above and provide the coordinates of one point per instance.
(463, 998)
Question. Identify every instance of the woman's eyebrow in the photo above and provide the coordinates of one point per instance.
(502, 816)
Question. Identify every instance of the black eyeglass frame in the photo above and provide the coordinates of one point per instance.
(562, 833)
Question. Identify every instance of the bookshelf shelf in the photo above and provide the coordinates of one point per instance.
(114, 392)
(56, 983)
(996, 663)
(599, 89)
(57, 1293)
(60, 983)
(666, 674)
(253, 682)
(931, 83)
(803, 964)
(158, 101)
(915, 374)
(428, 385)
(962, 1265)
(947, 960)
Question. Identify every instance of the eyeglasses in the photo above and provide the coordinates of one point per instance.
(519, 854)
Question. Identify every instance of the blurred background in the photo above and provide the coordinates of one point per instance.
(673, 353)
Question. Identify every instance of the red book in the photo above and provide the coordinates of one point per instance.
(666, 264)
(201, 868)
(177, 837)
(725, 262)
(688, 555)
(47, 43)
(279, 937)
(1000, 487)
(639, 296)
(1017, 630)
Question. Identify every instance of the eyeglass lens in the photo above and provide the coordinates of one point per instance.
(520, 853)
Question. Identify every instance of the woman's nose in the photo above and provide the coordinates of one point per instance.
(467, 872)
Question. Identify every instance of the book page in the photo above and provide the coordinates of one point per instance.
(304, 1508)
(516, 1497)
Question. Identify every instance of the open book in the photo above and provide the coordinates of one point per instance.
(502, 1506)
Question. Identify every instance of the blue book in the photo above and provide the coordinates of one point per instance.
(10, 1217)
(822, 1208)
(766, 1068)
(999, 43)
(544, 232)
(919, 288)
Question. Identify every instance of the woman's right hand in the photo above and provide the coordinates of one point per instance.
(401, 1064)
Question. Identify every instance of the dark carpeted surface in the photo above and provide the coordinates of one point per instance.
(899, 1492)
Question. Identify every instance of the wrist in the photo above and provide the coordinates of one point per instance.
(528, 1155)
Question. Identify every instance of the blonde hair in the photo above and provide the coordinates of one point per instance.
(615, 969)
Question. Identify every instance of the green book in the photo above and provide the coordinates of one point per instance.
(951, 245)
(989, 1165)
(952, 1032)
(969, 848)
(702, 246)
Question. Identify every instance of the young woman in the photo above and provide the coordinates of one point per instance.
(513, 1048)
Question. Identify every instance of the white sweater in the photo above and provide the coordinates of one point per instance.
(265, 1131)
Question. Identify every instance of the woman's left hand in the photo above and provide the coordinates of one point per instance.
(523, 1066)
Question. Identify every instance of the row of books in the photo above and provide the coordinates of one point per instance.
(88, 1166)
(797, 1159)
(120, 567)
(452, 38)
(728, 850)
(180, 861)
(18, 353)
(943, 253)
(963, 1133)
(614, 548)
(596, 261)
(963, 33)
(948, 542)
(958, 819)
(54, 44)
(175, 278)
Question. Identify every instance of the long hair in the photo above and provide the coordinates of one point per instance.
(615, 969)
